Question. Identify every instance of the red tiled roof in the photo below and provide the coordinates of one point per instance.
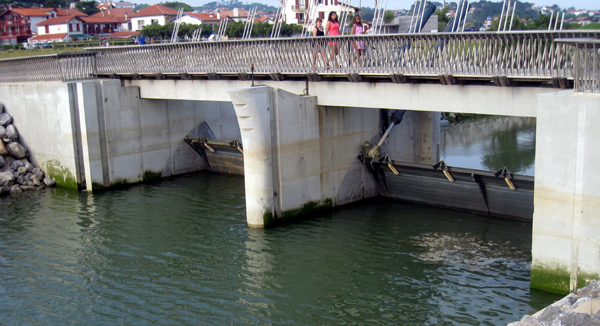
(56, 20)
(49, 37)
(69, 12)
(123, 34)
(204, 17)
(103, 5)
(241, 13)
(30, 12)
(113, 12)
(155, 10)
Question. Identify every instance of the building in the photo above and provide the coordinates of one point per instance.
(19, 24)
(123, 4)
(197, 19)
(401, 24)
(236, 14)
(156, 14)
(297, 11)
(121, 17)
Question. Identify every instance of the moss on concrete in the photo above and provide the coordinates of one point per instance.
(97, 187)
(150, 176)
(554, 280)
(61, 175)
(307, 209)
(584, 279)
(268, 219)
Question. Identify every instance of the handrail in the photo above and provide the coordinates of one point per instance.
(528, 55)
(50, 67)
(517, 54)
(586, 64)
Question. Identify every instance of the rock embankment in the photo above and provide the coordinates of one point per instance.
(581, 308)
(17, 174)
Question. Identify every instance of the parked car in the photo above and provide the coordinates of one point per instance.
(44, 45)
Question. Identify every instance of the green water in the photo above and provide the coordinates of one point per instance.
(179, 252)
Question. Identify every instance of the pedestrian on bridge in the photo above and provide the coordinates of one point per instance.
(333, 29)
(358, 29)
(142, 40)
(318, 31)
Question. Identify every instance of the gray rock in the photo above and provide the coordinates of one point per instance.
(547, 314)
(566, 303)
(26, 188)
(36, 182)
(576, 319)
(5, 118)
(5, 190)
(16, 164)
(49, 182)
(29, 167)
(37, 174)
(2, 132)
(592, 290)
(17, 150)
(15, 174)
(587, 305)
(21, 170)
(2, 108)
(7, 178)
(2, 161)
(23, 180)
(11, 133)
(15, 189)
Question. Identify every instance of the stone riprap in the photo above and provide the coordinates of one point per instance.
(581, 308)
(16, 173)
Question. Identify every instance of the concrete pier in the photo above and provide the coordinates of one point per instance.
(300, 157)
(566, 219)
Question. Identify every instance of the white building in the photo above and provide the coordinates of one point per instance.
(156, 14)
(297, 11)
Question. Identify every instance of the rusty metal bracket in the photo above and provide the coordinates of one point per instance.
(445, 169)
(504, 173)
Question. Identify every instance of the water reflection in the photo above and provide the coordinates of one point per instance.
(179, 252)
(491, 143)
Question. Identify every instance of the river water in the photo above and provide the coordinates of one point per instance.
(179, 252)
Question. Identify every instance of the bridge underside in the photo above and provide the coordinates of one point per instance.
(477, 99)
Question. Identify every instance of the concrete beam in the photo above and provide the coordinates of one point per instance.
(509, 101)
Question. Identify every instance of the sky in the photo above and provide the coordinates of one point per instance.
(405, 4)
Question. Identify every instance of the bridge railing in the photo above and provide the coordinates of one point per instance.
(586, 64)
(53, 67)
(517, 54)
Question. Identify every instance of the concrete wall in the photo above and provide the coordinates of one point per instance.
(96, 134)
(566, 218)
(45, 117)
(510, 101)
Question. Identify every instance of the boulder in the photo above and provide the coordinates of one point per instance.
(2, 131)
(21, 170)
(3, 150)
(592, 290)
(37, 174)
(2, 108)
(23, 180)
(7, 178)
(5, 118)
(576, 319)
(29, 167)
(11, 133)
(49, 182)
(15, 189)
(25, 188)
(17, 150)
(530, 321)
(4, 190)
(16, 164)
(2, 161)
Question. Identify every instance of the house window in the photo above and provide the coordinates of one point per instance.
(70, 27)
(140, 23)
(47, 29)
(154, 21)
(78, 27)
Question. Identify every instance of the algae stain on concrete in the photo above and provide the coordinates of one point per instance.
(307, 209)
(61, 175)
(554, 280)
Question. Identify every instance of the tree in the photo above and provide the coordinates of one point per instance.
(140, 6)
(87, 7)
(443, 18)
(176, 5)
(388, 16)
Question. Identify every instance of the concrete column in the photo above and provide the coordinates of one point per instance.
(89, 105)
(566, 223)
(253, 108)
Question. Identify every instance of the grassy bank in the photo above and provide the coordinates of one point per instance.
(10, 54)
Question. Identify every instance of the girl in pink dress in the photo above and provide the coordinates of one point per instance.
(358, 29)
(333, 29)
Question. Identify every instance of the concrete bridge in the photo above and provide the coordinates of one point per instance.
(118, 115)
